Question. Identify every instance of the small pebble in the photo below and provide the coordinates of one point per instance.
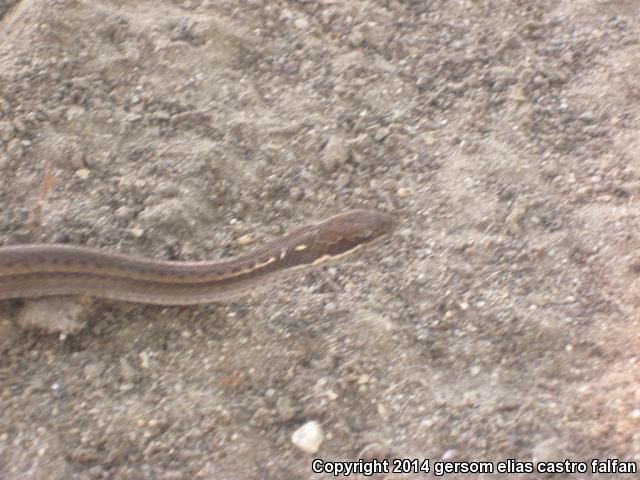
(301, 23)
(83, 173)
(381, 134)
(449, 454)
(403, 192)
(53, 314)
(245, 240)
(373, 450)
(331, 395)
(308, 437)
(331, 307)
(144, 359)
(261, 416)
(137, 232)
(356, 38)
(335, 153)
(343, 180)
(285, 409)
(14, 149)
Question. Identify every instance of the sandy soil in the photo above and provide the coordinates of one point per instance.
(500, 321)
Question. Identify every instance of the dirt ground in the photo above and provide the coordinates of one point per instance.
(500, 319)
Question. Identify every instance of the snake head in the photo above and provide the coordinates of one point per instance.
(345, 232)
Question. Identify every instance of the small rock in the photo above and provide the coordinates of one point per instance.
(245, 240)
(83, 173)
(19, 125)
(261, 416)
(518, 212)
(286, 15)
(75, 112)
(550, 170)
(77, 159)
(327, 15)
(429, 140)
(6, 131)
(54, 315)
(539, 81)
(356, 39)
(335, 154)
(301, 23)
(144, 359)
(381, 134)
(14, 149)
(450, 454)
(285, 409)
(162, 116)
(404, 192)
(331, 307)
(308, 437)
(373, 451)
(137, 232)
(96, 472)
(343, 180)
(583, 192)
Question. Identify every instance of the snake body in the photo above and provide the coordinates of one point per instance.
(38, 270)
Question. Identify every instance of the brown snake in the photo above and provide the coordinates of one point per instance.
(39, 270)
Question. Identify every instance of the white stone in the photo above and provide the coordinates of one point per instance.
(301, 23)
(308, 437)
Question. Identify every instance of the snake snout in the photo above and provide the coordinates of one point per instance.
(355, 227)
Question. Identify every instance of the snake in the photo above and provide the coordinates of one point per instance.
(41, 270)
